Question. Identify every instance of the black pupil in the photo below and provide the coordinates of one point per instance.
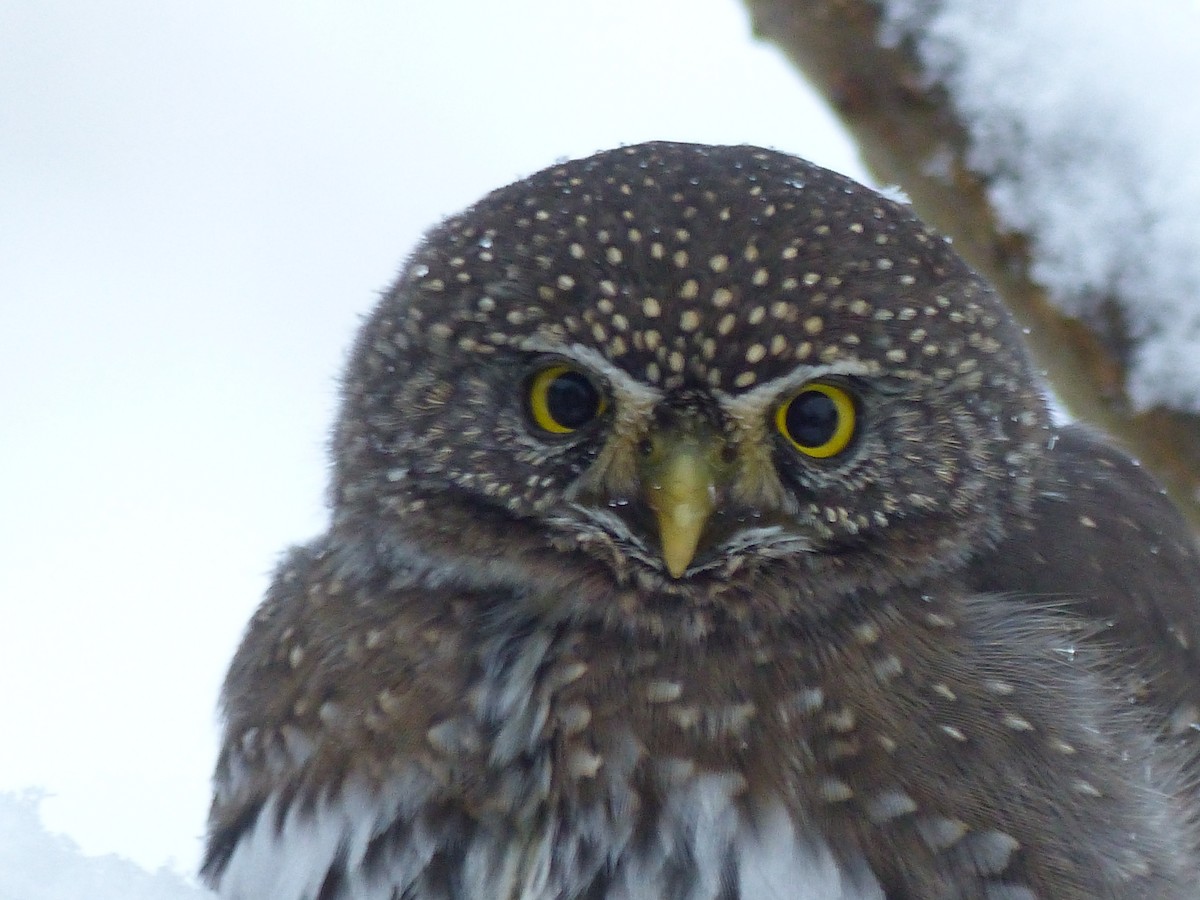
(812, 419)
(572, 400)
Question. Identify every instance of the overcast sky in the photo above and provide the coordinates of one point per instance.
(197, 203)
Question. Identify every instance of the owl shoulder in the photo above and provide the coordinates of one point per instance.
(1103, 540)
(341, 672)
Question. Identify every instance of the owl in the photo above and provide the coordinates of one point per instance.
(699, 530)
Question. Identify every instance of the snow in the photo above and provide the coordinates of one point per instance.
(37, 865)
(1083, 117)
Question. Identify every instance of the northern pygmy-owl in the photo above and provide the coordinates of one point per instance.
(700, 531)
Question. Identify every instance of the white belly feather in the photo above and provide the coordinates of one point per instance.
(702, 835)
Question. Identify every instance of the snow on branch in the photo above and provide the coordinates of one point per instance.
(1054, 141)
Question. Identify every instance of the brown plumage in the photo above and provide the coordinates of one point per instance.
(699, 530)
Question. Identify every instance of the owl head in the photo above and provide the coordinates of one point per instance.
(693, 370)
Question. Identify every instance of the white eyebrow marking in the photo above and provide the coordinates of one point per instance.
(752, 404)
(636, 393)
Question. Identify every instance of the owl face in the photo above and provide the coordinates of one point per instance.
(692, 368)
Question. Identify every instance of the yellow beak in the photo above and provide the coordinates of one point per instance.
(680, 479)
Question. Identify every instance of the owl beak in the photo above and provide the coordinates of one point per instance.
(680, 477)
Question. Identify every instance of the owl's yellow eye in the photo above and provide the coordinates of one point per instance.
(819, 421)
(562, 399)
